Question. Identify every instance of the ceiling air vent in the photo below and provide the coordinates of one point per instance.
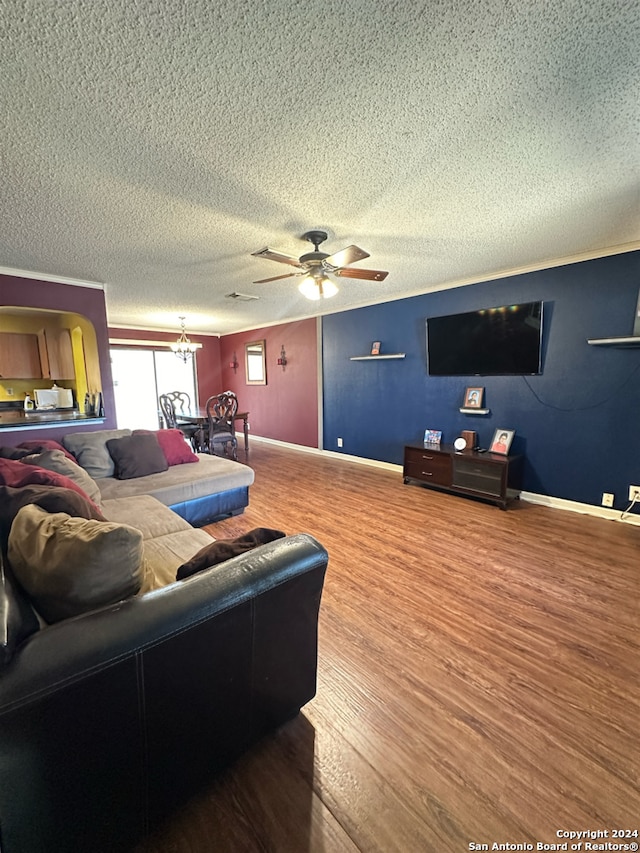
(241, 297)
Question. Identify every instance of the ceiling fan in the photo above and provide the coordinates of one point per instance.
(317, 266)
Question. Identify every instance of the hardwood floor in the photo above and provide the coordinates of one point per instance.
(478, 676)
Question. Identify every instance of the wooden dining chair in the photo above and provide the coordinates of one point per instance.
(174, 403)
(221, 411)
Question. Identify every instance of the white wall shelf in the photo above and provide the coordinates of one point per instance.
(376, 357)
(630, 342)
(475, 411)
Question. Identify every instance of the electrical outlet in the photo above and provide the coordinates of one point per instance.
(9, 392)
(339, 442)
(634, 493)
(607, 499)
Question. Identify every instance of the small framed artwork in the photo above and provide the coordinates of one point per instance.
(375, 348)
(473, 398)
(432, 436)
(501, 441)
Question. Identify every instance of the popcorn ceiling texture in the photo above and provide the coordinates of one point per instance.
(154, 145)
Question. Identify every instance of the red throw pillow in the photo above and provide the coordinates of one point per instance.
(17, 474)
(37, 445)
(174, 447)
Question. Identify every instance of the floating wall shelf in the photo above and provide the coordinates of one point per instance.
(376, 357)
(630, 342)
(475, 411)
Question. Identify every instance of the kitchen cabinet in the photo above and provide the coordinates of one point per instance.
(19, 356)
(56, 354)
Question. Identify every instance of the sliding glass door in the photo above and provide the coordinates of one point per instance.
(140, 376)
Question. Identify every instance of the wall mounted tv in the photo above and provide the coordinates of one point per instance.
(502, 341)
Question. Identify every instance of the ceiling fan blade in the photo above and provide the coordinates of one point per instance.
(346, 256)
(369, 275)
(276, 277)
(270, 255)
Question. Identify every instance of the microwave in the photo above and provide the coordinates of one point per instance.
(53, 398)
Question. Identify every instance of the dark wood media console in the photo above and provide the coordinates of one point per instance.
(490, 476)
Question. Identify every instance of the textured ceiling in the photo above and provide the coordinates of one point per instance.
(155, 145)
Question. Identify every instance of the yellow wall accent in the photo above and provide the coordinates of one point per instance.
(77, 344)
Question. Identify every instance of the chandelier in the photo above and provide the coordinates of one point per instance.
(183, 347)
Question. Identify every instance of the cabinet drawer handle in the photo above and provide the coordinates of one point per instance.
(427, 457)
(427, 474)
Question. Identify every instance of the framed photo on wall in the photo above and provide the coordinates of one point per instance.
(473, 398)
(501, 441)
(375, 348)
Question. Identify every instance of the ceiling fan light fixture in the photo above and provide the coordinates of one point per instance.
(317, 287)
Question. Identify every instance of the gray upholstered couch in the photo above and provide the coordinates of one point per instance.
(200, 493)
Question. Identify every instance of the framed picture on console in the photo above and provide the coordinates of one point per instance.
(473, 398)
(432, 436)
(501, 441)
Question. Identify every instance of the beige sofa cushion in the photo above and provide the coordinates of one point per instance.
(164, 554)
(169, 540)
(146, 514)
(71, 565)
(183, 482)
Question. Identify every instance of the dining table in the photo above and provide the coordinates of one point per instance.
(201, 419)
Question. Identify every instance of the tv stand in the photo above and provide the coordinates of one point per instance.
(489, 476)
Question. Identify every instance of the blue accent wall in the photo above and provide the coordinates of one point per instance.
(578, 423)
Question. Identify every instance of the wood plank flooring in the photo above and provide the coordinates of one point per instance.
(478, 676)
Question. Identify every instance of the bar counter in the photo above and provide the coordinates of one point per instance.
(18, 419)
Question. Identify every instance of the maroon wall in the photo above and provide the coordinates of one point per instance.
(207, 358)
(286, 408)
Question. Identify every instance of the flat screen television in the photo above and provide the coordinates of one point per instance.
(502, 341)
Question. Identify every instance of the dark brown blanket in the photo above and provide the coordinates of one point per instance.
(225, 549)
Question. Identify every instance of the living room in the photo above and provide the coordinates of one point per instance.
(476, 668)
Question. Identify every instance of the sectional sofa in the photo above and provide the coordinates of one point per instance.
(123, 691)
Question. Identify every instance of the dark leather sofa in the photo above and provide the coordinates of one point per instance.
(110, 720)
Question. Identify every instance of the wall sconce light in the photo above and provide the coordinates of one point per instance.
(282, 361)
(234, 363)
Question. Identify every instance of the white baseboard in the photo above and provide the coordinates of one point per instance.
(372, 463)
(531, 497)
(585, 509)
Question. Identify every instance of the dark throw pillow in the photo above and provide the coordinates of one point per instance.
(224, 549)
(136, 456)
(37, 445)
(14, 452)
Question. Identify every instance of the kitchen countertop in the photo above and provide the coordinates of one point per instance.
(19, 419)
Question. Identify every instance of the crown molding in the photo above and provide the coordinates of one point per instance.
(140, 342)
(58, 279)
